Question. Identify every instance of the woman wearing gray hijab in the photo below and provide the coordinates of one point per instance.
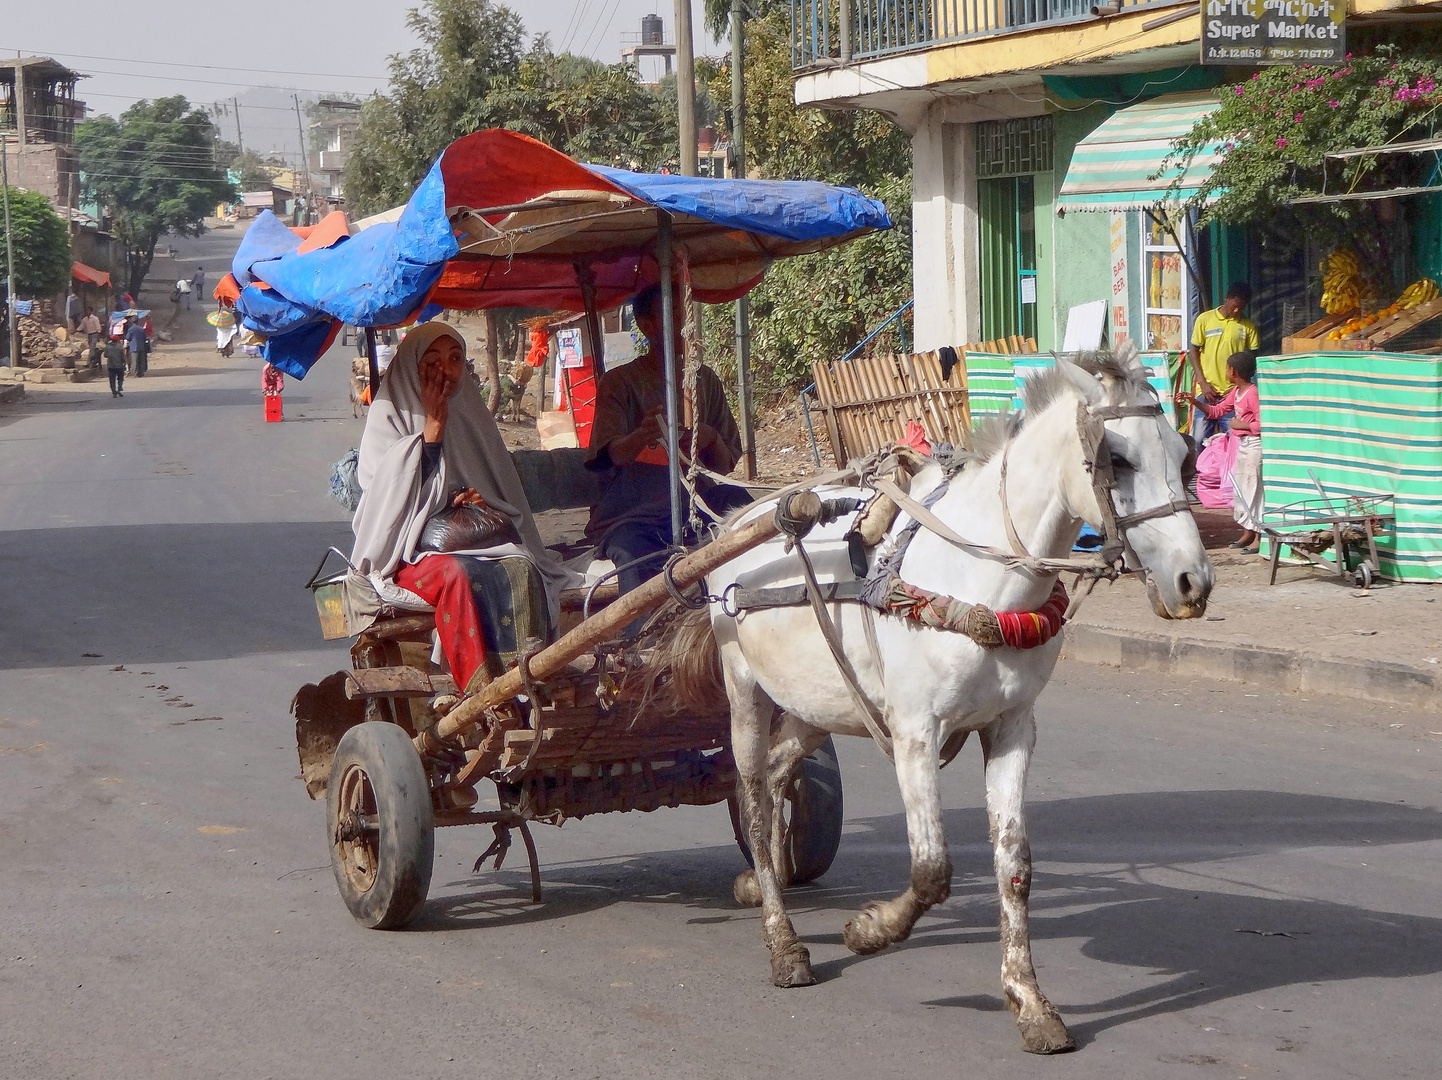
(430, 444)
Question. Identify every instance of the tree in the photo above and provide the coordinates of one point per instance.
(816, 307)
(41, 242)
(1274, 130)
(438, 92)
(592, 111)
(154, 172)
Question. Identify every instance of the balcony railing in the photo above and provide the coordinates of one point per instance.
(847, 30)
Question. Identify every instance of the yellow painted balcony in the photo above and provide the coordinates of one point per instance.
(844, 31)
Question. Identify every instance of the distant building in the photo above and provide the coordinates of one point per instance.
(331, 141)
(38, 114)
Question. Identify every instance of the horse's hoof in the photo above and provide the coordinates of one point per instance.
(791, 966)
(1045, 1034)
(746, 890)
(865, 934)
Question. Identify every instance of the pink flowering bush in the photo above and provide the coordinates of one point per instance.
(1273, 130)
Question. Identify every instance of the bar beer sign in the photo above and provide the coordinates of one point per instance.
(1273, 31)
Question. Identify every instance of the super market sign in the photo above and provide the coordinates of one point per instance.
(1273, 32)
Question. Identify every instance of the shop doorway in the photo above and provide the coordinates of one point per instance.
(1007, 214)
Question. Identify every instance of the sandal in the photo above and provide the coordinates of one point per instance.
(1247, 551)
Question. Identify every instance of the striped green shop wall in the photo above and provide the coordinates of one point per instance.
(994, 381)
(1365, 424)
(990, 383)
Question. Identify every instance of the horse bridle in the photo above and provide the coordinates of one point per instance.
(1091, 425)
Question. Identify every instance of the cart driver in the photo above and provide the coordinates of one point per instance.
(628, 444)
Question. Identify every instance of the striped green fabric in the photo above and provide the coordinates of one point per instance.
(1157, 375)
(1111, 168)
(990, 383)
(1365, 424)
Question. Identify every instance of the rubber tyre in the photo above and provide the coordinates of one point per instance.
(377, 762)
(1362, 576)
(816, 810)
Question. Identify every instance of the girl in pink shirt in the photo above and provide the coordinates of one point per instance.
(1247, 428)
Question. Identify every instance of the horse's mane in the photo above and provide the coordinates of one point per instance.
(1047, 387)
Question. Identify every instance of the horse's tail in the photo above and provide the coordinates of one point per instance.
(690, 655)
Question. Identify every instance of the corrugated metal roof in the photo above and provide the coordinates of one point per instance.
(1111, 168)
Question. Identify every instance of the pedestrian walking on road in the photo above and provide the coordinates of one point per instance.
(90, 327)
(115, 366)
(72, 311)
(135, 344)
(197, 283)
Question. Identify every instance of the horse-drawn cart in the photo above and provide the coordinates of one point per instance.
(588, 725)
(584, 724)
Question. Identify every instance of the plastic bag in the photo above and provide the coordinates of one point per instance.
(465, 528)
(344, 484)
(1215, 462)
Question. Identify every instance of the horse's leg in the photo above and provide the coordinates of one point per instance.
(790, 743)
(883, 922)
(751, 712)
(1007, 747)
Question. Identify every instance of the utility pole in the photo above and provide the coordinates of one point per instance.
(685, 88)
(304, 162)
(738, 168)
(239, 142)
(12, 326)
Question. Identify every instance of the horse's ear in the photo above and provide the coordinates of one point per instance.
(1086, 384)
(1130, 360)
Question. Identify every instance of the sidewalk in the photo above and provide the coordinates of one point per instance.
(1308, 633)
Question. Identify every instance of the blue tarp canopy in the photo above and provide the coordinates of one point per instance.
(502, 220)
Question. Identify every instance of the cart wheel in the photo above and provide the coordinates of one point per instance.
(1363, 575)
(381, 826)
(813, 812)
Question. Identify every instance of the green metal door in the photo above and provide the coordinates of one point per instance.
(1007, 214)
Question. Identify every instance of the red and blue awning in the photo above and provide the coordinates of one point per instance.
(502, 220)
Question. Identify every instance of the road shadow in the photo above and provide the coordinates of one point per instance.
(1212, 940)
(146, 594)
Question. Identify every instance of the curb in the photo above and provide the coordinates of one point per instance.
(1274, 669)
(12, 392)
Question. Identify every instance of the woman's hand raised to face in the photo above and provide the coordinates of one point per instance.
(440, 372)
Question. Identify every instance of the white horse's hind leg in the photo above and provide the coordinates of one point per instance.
(751, 712)
(1007, 746)
(885, 922)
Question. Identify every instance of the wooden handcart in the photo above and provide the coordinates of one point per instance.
(1312, 526)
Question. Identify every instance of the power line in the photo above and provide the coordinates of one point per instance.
(584, 6)
(211, 82)
(601, 38)
(213, 67)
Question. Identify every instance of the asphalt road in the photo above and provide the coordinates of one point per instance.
(1228, 884)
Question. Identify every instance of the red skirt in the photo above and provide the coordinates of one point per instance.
(442, 582)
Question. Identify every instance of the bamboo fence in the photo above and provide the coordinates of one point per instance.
(867, 402)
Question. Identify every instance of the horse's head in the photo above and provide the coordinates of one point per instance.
(1133, 459)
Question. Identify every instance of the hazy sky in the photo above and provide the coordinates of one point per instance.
(152, 48)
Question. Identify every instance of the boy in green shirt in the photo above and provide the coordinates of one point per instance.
(1216, 335)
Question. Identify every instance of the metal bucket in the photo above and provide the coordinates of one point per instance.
(329, 602)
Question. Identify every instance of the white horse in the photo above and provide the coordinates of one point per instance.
(933, 687)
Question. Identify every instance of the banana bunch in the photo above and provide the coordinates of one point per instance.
(1343, 287)
(1419, 292)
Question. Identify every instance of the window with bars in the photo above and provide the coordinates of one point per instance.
(1013, 147)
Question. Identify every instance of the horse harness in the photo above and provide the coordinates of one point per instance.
(883, 590)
